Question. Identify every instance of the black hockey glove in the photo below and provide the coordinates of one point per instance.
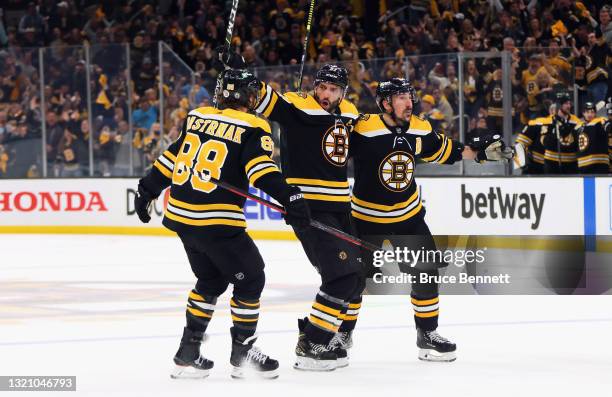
(490, 147)
(142, 201)
(298, 213)
(230, 59)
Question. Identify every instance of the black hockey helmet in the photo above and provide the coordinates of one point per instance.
(562, 97)
(395, 86)
(335, 74)
(589, 106)
(238, 86)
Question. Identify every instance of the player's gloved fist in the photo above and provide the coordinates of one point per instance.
(230, 59)
(491, 148)
(298, 213)
(142, 201)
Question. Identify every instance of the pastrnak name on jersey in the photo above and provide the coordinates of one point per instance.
(385, 191)
(229, 145)
(217, 128)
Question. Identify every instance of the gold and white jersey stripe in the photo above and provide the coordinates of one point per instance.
(259, 167)
(165, 163)
(318, 189)
(585, 161)
(556, 156)
(205, 214)
(379, 213)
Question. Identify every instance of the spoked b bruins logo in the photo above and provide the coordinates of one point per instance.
(335, 145)
(396, 171)
(583, 141)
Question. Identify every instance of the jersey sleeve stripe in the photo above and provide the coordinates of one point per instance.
(449, 150)
(170, 156)
(165, 172)
(524, 139)
(268, 110)
(437, 153)
(255, 161)
(167, 163)
(259, 167)
(254, 177)
(266, 94)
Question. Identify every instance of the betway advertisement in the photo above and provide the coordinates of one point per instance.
(480, 206)
(503, 206)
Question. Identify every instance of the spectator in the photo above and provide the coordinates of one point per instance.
(145, 115)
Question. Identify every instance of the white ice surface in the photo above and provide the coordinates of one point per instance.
(110, 310)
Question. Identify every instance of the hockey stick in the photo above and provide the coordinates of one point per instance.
(228, 44)
(306, 39)
(321, 226)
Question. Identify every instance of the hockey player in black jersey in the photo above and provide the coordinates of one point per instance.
(386, 200)
(592, 154)
(315, 138)
(234, 146)
(560, 139)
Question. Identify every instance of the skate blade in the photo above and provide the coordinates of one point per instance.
(310, 364)
(342, 362)
(187, 372)
(432, 355)
(249, 373)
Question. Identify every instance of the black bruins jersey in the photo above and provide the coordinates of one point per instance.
(314, 146)
(529, 137)
(385, 191)
(231, 146)
(593, 157)
(560, 143)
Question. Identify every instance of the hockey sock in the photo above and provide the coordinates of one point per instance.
(200, 309)
(349, 315)
(324, 320)
(426, 312)
(245, 313)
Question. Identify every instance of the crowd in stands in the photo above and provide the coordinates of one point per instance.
(553, 45)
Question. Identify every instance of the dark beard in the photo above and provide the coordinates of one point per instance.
(333, 106)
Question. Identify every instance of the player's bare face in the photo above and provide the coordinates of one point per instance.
(402, 106)
(328, 95)
(566, 108)
(589, 115)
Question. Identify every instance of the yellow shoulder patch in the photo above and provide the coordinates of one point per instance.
(348, 107)
(302, 101)
(575, 119)
(371, 122)
(417, 123)
(597, 120)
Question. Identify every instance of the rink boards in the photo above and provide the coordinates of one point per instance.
(455, 206)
